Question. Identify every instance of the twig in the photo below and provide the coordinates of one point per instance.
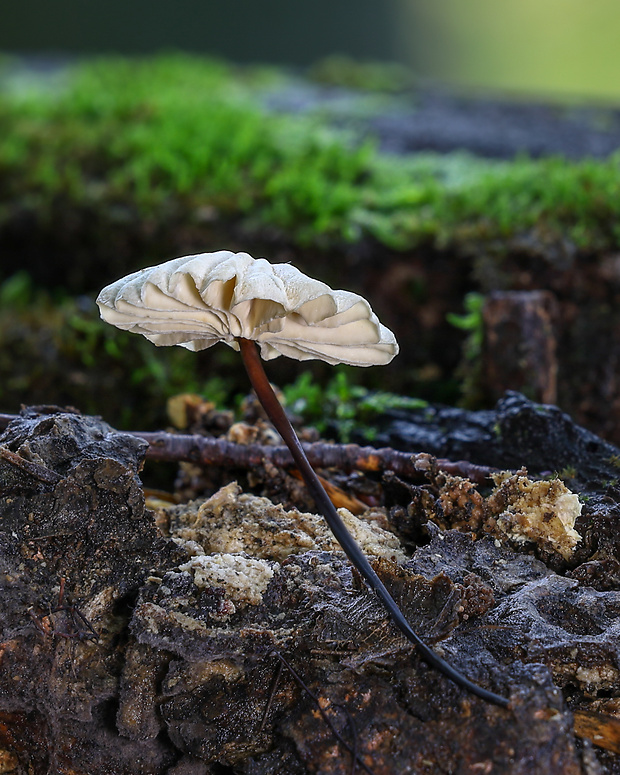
(272, 692)
(47, 626)
(346, 457)
(34, 470)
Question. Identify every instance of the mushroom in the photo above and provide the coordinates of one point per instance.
(197, 301)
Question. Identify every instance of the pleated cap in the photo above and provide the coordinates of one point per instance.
(197, 301)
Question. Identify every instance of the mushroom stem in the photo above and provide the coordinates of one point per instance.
(276, 414)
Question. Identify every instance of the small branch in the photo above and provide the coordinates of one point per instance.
(345, 457)
(34, 470)
(174, 447)
(352, 749)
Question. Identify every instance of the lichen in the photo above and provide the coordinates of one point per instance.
(231, 522)
(243, 578)
(541, 512)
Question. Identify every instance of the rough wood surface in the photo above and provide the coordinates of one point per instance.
(520, 345)
(220, 636)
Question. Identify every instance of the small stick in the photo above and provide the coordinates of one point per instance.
(173, 447)
(272, 692)
(355, 757)
(36, 471)
(345, 457)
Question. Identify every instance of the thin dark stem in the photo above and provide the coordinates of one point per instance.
(352, 749)
(272, 691)
(276, 414)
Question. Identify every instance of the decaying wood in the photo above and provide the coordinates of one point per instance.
(34, 470)
(346, 457)
(176, 666)
(520, 345)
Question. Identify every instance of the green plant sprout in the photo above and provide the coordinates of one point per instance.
(342, 406)
(471, 322)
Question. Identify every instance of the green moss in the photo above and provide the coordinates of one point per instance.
(182, 131)
(471, 322)
(566, 474)
(184, 139)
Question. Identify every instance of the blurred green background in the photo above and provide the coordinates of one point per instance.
(567, 47)
(563, 47)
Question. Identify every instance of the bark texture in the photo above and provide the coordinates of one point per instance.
(229, 635)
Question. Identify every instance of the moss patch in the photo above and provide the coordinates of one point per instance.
(182, 141)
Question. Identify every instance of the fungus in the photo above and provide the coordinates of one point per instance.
(542, 512)
(251, 304)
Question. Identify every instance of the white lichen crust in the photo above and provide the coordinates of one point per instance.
(197, 301)
(245, 579)
(542, 512)
(231, 522)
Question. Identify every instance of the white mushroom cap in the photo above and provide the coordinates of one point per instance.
(197, 301)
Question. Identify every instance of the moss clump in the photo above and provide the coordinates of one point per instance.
(175, 134)
(183, 141)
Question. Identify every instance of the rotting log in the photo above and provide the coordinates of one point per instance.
(118, 653)
(101, 612)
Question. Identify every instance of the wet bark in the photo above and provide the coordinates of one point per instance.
(520, 345)
(207, 641)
